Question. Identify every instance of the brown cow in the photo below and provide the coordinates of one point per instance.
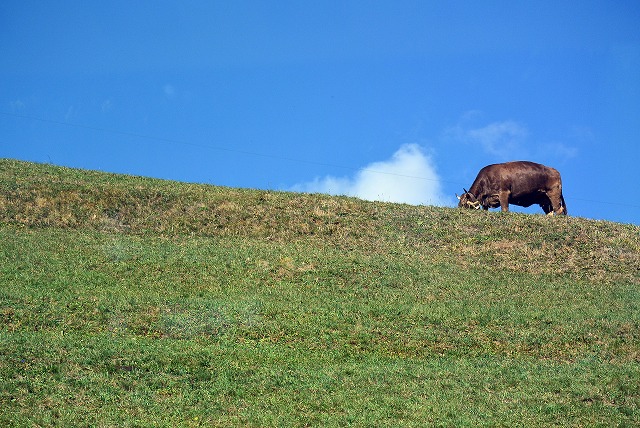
(519, 183)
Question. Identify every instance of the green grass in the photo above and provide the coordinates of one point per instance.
(127, 301)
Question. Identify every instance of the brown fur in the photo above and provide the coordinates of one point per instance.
(519, 183)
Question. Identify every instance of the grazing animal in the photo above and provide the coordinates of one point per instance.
(519, 183)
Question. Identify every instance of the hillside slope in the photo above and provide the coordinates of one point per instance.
(132, 301)
(38, 195)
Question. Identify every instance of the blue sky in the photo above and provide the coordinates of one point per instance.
(391, 100)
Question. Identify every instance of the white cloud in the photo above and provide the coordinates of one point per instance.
(559, 151)
(582, 133)
(507, 140)
(107, 105)
(501, 139)
(71, 114)
(408, 177)
(169, 90)
(17, 105)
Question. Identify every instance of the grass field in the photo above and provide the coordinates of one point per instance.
(127, 301)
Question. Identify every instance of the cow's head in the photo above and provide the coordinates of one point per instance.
(467, 200)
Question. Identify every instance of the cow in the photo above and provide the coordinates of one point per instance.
(519, 183)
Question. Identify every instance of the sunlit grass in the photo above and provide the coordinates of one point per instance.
(133, 302)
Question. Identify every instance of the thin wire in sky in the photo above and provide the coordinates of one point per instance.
(265, 155)
(216, 147)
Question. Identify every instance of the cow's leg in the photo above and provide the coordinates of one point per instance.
(564, 205)
(555, 197)
(546, 206)
(504, 201)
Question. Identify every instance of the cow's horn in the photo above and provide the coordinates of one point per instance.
(458, 196)
(465, 190)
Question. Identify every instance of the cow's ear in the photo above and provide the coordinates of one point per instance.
(457, 196)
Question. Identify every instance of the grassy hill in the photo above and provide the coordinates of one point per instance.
(127, 301)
